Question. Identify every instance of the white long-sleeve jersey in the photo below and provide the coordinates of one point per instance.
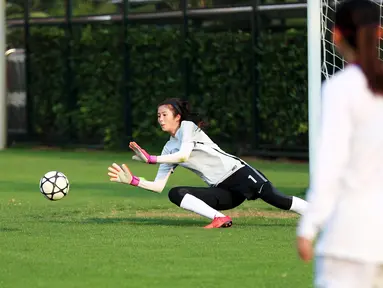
(346, 192)
(192, 149)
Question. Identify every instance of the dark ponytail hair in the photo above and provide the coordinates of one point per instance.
(182, 108)
(358, 21)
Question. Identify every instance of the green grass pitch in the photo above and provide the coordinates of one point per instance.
(112, 235)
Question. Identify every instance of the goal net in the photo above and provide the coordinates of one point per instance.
(331, 60)
(323, 61)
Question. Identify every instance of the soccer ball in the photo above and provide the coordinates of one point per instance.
(54, 185)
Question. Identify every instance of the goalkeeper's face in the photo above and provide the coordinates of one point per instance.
(167, 120)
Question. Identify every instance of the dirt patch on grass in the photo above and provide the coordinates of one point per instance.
(237, 214)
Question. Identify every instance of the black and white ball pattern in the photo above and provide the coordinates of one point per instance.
(54, 185)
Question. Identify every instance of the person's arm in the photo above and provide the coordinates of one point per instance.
(332, 158)
(186, 132)
(159, 183)
(181, 156)
(122, 174)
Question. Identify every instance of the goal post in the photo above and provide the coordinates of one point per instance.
(314, 38)
(323, 61)
(3, 92)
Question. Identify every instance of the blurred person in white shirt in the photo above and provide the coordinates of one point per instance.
(345, 198)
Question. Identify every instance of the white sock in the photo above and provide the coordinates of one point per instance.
(299, 205)
(191, 203)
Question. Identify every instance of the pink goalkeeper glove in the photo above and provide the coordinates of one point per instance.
(141, 154)
(122, 174)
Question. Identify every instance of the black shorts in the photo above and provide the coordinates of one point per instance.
(246, 181)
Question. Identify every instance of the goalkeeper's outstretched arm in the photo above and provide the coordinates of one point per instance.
(157, 185)
(185, 133)
(122, 174)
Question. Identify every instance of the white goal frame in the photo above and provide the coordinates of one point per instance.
(3, 90)
(314, 39)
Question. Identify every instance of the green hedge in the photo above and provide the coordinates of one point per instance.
(283, 90)
(87, 106)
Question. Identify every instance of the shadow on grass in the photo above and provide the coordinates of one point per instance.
(180, 222)
(147, 221)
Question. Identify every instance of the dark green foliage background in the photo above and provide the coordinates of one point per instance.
(77, 83)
